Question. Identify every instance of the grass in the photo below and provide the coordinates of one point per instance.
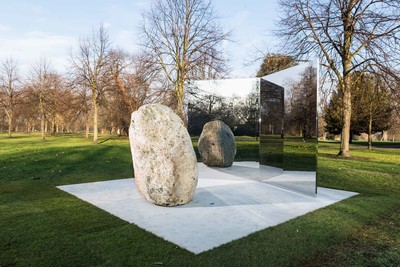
(43, 226)
(290, 153)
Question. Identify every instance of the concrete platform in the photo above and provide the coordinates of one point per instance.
(228, 205)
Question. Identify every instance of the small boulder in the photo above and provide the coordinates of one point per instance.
(164, 160)
(217, 144)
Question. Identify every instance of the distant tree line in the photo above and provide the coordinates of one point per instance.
(180, 41)
(357, 42)
(89, 96)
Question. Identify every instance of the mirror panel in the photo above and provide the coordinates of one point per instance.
(273, 118)
(271, 129)
(233, 101)
(299, 132)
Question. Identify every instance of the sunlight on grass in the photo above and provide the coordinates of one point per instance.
(43, 226)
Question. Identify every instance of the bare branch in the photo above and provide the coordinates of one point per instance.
(184, 39)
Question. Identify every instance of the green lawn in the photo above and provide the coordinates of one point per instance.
(43, 226)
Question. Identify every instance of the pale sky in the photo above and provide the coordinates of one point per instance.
(242, 87)
(294, 74)
(31, 29)
(228, 87)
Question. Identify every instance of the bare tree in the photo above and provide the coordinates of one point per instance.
(82, 106)
(27, 107)
(59, 102)
(302, 105)
(119, 62)
(348, 36)
(9, 79)
(40, 83)
(213, 66)
(395, 121)
(180, 36)
(89, 66)
(134, 83)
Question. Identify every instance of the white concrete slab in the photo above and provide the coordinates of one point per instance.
(226, 206)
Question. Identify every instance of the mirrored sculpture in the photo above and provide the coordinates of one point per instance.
(288, 137)
(277, 113)
(233, 101)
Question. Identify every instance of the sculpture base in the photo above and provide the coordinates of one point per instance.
(226, 206)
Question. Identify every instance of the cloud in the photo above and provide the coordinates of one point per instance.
(4, 28)
(28, 48)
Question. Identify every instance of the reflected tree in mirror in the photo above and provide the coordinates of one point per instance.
(289, 127)
(273, 118)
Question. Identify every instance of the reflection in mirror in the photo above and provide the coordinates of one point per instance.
(233, 101)
(271, 129)
(292, 94)
(273, 118)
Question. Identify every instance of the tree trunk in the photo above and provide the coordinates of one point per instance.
(87, 130)
(95, 122)
(346, 82)
(384, 136)
(27, 130)
(10, 124)
(346, 113)
(53, 127)
(179, 95)
(324, 136)
(112, 131)
(370, 132)
(43, 127)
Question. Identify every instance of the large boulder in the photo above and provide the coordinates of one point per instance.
(217, 144)
(164, 160)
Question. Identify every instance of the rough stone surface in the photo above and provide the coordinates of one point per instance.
(164, 160)
(217, 144)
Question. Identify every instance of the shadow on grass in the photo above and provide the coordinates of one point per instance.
(103, 141)
(361, 144)
(43, 226)
(335, 156)
(291, 243)
(72, 165)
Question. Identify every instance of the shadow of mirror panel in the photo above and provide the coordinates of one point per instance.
(298, 137)
(233, 101)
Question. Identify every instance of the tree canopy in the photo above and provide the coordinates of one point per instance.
(183, 38)
(275, 62)
(348, 36)
(371, 107)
